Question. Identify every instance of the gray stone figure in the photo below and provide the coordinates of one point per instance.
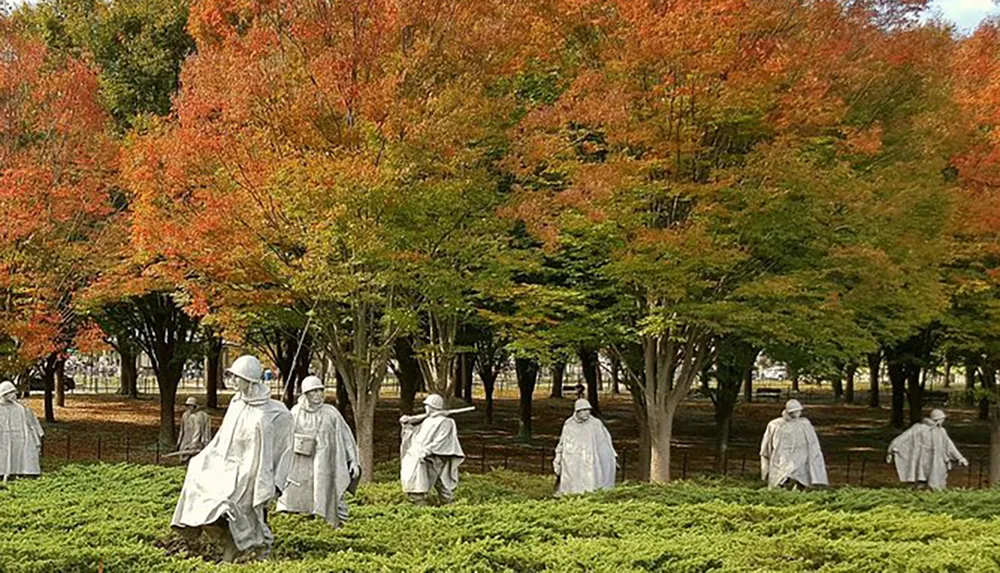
(230, 483)
(196, 430)
(790, 455)
(430, 453)
(20, 436)
(325, 464)
(924, 453)
(585, 458)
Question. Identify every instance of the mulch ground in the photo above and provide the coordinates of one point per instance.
(854, 437)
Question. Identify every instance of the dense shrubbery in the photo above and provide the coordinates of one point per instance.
(115, 514)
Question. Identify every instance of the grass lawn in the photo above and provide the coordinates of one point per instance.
(83, 517)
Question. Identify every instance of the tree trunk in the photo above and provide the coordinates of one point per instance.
(748, 386)
(723, 429)
(60, 381)
(167, 380)
(645, 443)
(456, 376)
(794, 374)
(468, 365)
(129, 375)
(48, 381)
(616, 373)
(344, 400)
(994, 443)
(838, 387)
(915, 395)
(408, 374)
(988, 379)
(489, 383)
(213, 372)
(527, 377)
(590, 361)
(874, 368)
(364, 425)
(558, 377)
(897, 378)
(660, 434)
(947, 373)
(851, 371)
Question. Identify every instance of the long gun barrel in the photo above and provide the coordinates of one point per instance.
(421, 417)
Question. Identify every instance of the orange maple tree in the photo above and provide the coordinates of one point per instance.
(57, 178)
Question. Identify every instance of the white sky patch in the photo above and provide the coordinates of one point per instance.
(966, 14)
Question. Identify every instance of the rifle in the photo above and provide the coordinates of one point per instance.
(421, 417)
(181, 453)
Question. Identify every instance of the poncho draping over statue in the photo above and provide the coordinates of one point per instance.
(925, 453)
(196, 433)
(435, 437)
(585, 457)
(790, 451)
(240, 470)
(317, 482)
(20, 441)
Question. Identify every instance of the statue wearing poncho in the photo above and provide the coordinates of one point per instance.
(20, 436)
(585, 458)
(196, 430)
(790, 455)
(430, 453)
(229, 484)
(924, 453)
(325, 461)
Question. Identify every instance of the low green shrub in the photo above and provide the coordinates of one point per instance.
(83, 515)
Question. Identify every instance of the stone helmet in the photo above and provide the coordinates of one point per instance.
(581, 404)
(793, 405)
(248, 368)
(7, 387)
(310, 383)
(191, 402)
(937, 415)
(435, 401)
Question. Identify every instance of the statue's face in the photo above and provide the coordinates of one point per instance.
(315, 397)
(427, 409)
(796, 414)
(582, 415)
(8, 397)
(191, 408)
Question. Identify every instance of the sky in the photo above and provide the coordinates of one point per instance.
(965, 13)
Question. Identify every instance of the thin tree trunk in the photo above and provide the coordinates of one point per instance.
(48, 381)
(129, 375)
(558, 377)
(616, 373)
(408, 374)
(468, 364)
(874, 371)
(167, 380)
(364, 425)
(60, 380)
(794, 373)
(343, 398)
(489, 383)
(947, 373)
(589, 360)
(852, 370)
(897, 377)
(989, 382)
(527, 377)
(915, 395)
(748, 386)
(994, 443)
(213, 372)
(645, 443)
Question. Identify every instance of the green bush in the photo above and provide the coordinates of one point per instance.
(83, 515)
